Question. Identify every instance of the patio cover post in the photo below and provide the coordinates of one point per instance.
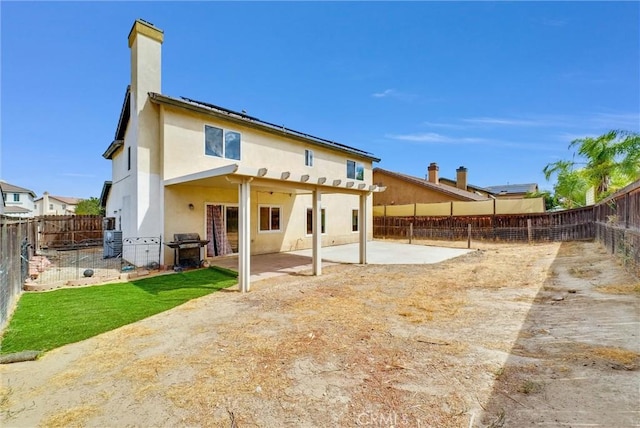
(317, 232)
(244, 235)
(362, 224)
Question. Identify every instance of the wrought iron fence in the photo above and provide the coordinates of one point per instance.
(141, 252)
(51, 267)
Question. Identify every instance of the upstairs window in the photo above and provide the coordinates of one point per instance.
(355, 170)
(221, 143)
(16, 197)
(308, 157)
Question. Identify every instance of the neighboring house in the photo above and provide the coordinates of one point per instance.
(1, 200)
(512, 191)
(405, 189)
(461, 182)
(246, 185)
(18, 201)
(55, 205)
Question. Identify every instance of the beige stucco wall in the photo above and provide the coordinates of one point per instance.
(179, 218)
(184, 145)
(123, 189)
(401, 192)
(59, 208)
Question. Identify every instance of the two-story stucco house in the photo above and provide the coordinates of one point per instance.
(55, 205)
(18, 201)
(246, 185)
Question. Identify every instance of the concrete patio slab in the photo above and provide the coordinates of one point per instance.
(387, 253)
(378, 252)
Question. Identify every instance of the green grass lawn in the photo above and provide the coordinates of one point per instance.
(44, 321)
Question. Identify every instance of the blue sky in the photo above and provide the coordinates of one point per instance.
(501, 88)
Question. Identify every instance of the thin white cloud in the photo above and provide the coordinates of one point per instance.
(392, 93)
(588, 121)
(384, 94)
(436, 138)
(444, 125)
(552, 22)
(503, 121)
(73, 174)
(433, 137)
(625, 121)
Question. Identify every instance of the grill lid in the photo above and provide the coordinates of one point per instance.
(181, 237)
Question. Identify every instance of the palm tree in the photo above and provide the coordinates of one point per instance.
(612, 160)
(571, 185)
(610, 154)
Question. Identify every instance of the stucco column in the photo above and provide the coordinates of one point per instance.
(244, 235)
(362, 224)
(317, 232)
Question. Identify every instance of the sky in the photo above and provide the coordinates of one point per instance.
(501, 88)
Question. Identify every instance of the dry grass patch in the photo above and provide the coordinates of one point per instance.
(74, 417)
(583, 352)
(629, 288)
(148, 369)
(629, 359)
(584, 272)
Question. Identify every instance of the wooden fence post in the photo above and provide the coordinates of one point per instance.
(410, 232)
(529, 231)
(469, 235)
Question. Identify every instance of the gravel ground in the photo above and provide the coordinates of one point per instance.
(508, 335)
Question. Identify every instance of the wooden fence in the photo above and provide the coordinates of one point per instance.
(17, 237)
(570, 225)
(69, 231)
(617, 226)
(614, 222)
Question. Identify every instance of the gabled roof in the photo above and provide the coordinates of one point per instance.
(12, 209)
(239, 117)
(454, 183)
(121, 129)
(442, 188)
(104, 196)
(10, 188)
(513, 188)
(64, 199)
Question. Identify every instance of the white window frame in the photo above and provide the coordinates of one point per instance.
(308, 157)
(306, 218)
(356, 166)
(16, 197)
(225, 131)
(357, 218)
(270, 230)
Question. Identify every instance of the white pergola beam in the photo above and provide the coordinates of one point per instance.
(362, 225)
(317, 232)
(244, 236)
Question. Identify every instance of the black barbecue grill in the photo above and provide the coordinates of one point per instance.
(187, 249)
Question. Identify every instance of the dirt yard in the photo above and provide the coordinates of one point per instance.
(509, 335)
